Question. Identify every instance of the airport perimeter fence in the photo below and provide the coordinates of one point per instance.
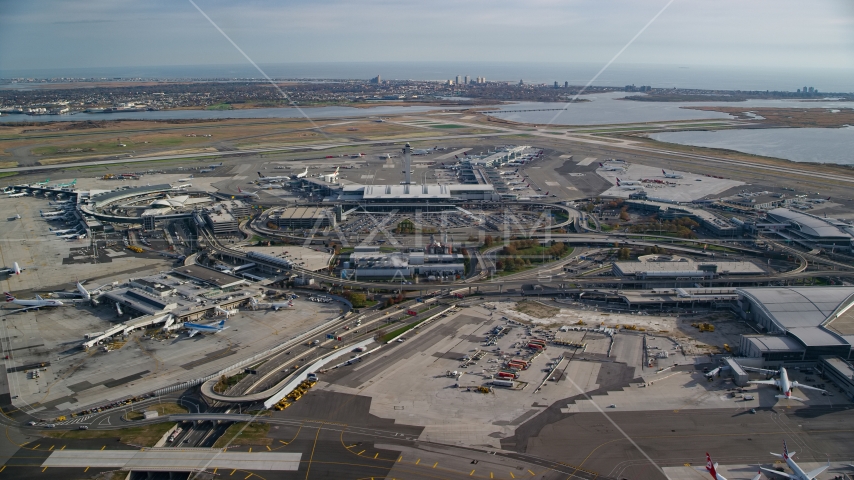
(248, 361)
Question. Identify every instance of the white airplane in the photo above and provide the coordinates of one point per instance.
(16, 269)
(39, 302)
(274, 305)
(16, 195)
(196, 328)
(612, 168)
(55, 213)
(70, 235)
(188, 179)
(45, 182)
(262, 178)
(670, 175)
(303, 174)
(797, 472)
(227, 313)
(77, 237)
(248, 194)
(357, 155)
(62, 232)
(629, 182)
(712, 469)
(69, 184)
(81, 292)
(629, 187)
(422, 151)
(783, 383)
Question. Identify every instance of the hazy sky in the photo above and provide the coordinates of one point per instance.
(104, 33)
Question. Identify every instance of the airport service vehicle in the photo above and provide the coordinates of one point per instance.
(39, 302)
(195, 328)
(670, 175)
(612, 168)
(712, 469)
(783, 383)
(16, 269)
(798, 472)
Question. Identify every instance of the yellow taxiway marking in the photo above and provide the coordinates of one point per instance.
(45, 468)
(399, 458)
(471, 473)
(3, 468)
(232, 472)
(63, 447)
(269, 449)
(103, 447)
(84, 471)
(434, 465)
(283, 442)
(376, 454)
(38, 445)
(247, 476)
(50, 449)
(360, 452)
(215, 469)
(490, 475)
(418, 461)
(511, 475)
(250, 449)
(532, 473)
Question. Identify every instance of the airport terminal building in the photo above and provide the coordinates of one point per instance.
(797, 324)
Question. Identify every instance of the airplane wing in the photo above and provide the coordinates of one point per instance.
(193, 333)
(760, 370)
(814, 473)
(807, 387)
(774, 474)
(764, 382)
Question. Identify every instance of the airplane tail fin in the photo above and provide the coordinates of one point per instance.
(710, 466)
(221, 323)
(260, 175)
(9, 296)
(39, 297)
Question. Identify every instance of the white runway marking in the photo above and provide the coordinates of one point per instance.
(587, 161)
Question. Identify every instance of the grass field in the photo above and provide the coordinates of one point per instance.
(162, 409)
(145, 436)
(253, 434)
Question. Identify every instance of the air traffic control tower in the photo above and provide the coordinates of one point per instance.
(407, 165)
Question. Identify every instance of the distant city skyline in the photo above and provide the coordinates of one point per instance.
(777, 34)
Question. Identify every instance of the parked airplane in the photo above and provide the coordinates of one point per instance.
(188, 179)
(629, 187)
(274, 305)
(628, 182)
(196, 328)
(15, 269)
(81, 292)
(39, 302)
(16, 195)
(214, 165)
(798, 472)
(248, 194)
(70, 236)
(262, 178)
(357, 155)
(45, 182)
(76, 237)
(52, 214)
(69, 184)
(612, 168)
(63, 232)
(303, 174)
(422, 151)
(783, 383)
(712, 469)
(670, 175)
